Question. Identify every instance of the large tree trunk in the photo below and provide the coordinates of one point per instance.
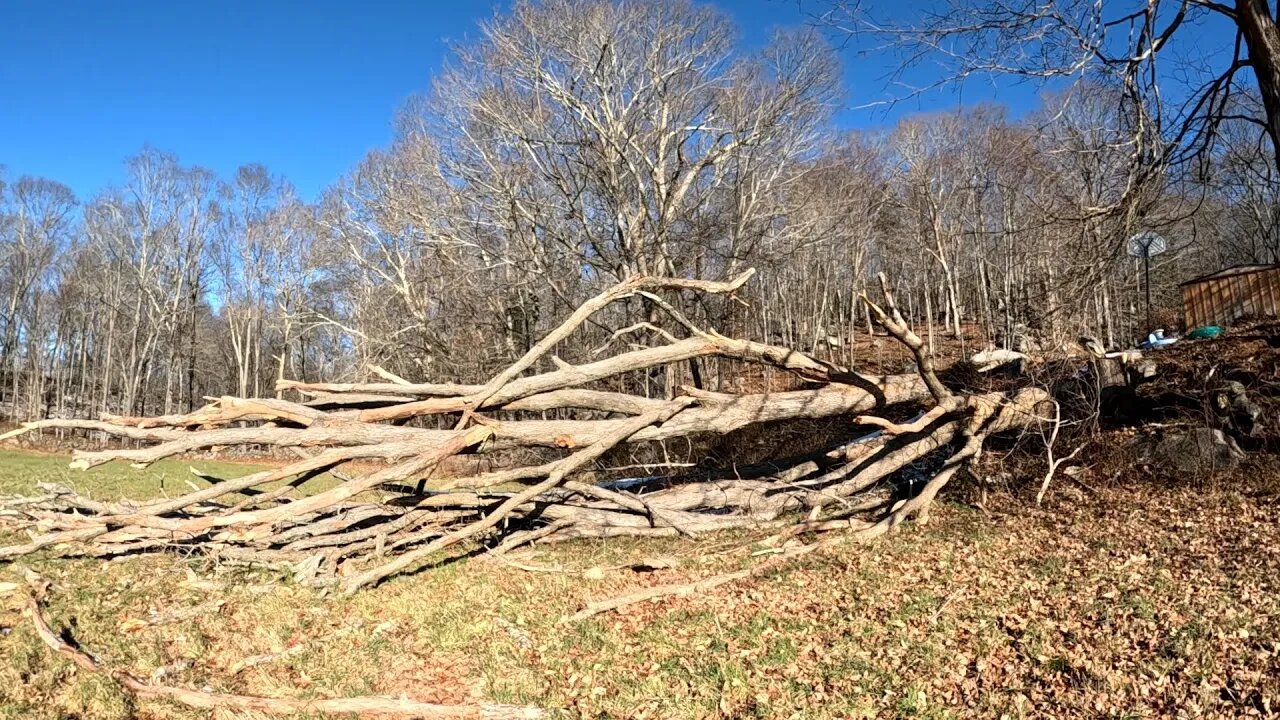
(1262, 37)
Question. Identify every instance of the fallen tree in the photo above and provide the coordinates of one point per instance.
(379, 522)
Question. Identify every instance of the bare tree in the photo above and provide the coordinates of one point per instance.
(1153, 52)
(576, 143)
(607, 129)
(35, 224)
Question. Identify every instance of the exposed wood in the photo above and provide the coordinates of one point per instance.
(379, 521)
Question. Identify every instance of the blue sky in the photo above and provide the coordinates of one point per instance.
(306, 88)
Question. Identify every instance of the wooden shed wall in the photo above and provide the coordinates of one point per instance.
(1222, 301)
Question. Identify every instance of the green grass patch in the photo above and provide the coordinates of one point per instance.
(21, 471)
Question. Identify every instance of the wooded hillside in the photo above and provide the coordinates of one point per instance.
(573, 145)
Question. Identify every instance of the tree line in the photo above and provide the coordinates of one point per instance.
(576, 143)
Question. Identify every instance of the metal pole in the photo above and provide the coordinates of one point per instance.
(1146, 271)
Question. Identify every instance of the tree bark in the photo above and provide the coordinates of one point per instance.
(1262, 38)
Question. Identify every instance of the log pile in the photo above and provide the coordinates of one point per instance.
(382, 521)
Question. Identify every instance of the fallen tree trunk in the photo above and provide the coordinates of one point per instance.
(381, 522)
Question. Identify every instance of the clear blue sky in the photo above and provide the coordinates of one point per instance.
(306, 88)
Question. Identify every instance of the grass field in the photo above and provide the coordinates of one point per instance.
(20, 470)
(1129, 602)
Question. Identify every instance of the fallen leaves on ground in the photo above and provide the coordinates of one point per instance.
(1136, 601)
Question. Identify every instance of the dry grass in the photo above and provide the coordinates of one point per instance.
(1134, 602)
